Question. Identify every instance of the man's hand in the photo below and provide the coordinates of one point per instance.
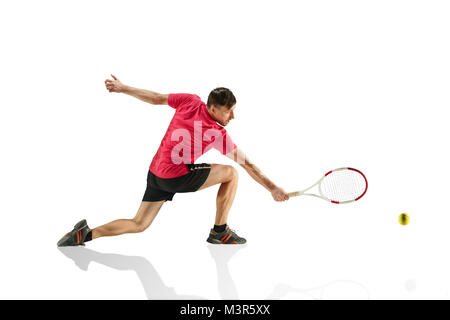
(279, 194)
(142, 94)
(114, 85)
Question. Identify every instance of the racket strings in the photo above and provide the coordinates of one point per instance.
(343, 185)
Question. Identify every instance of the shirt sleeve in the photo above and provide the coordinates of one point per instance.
(176, 100)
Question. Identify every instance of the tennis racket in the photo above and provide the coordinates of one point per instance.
(343, 185)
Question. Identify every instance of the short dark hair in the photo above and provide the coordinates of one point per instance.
(221, 97)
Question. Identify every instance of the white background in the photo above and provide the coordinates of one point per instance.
(319, 85)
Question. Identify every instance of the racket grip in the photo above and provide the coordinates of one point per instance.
(293, 194)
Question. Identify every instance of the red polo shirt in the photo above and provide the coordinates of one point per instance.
(191, 133)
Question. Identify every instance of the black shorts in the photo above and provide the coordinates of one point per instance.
(159, 189)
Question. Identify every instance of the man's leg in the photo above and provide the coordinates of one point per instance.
(143, 219)
(228, 177)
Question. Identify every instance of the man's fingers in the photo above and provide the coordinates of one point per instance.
(281, 198)
(113, 77)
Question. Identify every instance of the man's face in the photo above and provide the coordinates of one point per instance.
(223, 115)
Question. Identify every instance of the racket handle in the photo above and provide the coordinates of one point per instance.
(294, 194)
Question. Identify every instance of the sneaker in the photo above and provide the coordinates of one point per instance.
(226, 237)
(75, 237)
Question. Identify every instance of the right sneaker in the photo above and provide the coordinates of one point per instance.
(226, 237)
(75, 237)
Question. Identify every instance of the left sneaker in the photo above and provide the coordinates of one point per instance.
(75, 237)
(226, 237)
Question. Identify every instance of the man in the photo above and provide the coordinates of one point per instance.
(195, 128)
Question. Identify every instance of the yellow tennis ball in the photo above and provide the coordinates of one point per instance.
(403, 219)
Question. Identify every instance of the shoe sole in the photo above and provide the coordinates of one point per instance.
(214, 241)
(81, 225)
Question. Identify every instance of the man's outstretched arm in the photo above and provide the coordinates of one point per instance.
(239, 157)
(142, 94)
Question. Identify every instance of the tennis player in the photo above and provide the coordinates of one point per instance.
(195, 128)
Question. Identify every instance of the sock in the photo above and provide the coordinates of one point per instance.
(88, 236)
(221, 228)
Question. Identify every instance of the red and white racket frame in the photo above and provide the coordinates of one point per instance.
(321, 196)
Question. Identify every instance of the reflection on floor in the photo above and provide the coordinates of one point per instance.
(155, 288)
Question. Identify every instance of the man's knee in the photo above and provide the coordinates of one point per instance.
(140, 226)
(232, 173)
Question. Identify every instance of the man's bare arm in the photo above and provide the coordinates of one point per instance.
(239, 157)
(141, 94)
